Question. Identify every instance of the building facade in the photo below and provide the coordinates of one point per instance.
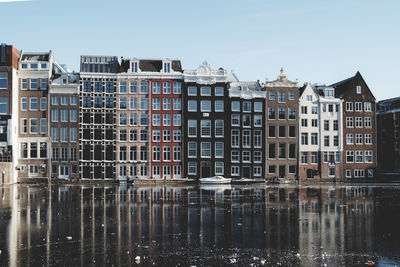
(282, 122)
(247, 130)
(8, 113)
(97, 117)
(388, 120)
(64, 110)
(359, 127)
(206, 130)
(320, 133)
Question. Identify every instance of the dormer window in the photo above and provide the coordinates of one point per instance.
(167, 67)
(329, 92)
(24, 66)
(358, 89)
(134, 67)
(34, 66)
(43, 66)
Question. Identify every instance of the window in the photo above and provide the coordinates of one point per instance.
(235, 120)
(192, 105)
(309, 98)
(314, 138)
(330, 108)
(122, 119)
(358, 89)
(133, 135)
(348, 173)
(246, 156)
(3, 80)
(314, 122)
(167, 104)
(304, 123)
(219, 106)
(271, 95)
(192, 128)
(271, 113)
(24, 84)
(235, 138)
(246, 120)
(133, 87)
(358, 106)
(166, 153)
(133, 120)
(282, 113)
(205, 106)
(33, 103)
(292, 95)
(122, 135)
(349, 156)
(349, 139)
(205, 91)
(177, 135)
(166, 135)
(54, 134)
(326, 140)
(205, 150)
(192, 91)
(43, 125)
(156, 119)
(304, 138)
(192, 168)
(143, 153)
(335, 125)
(246, 106)
(368, 139)
(282, 131)
(271, 150)
(133, 153)
(314, 110)
(246, 138)
(156, 135)
(24, 126)
(98, 87)
(167, 88)
(281, 97)
(349, 122)
(122, 87)
(368, 156)
(282, 151)
(272, 169)
(177, 104)
(359, 157)
(64, 115)
(34, 84)
(359, 139)
(143, 119)
(235, 106)
(144, 89)
(336, 140)
(304, 158)
(292, 113)
(258, 138)
(258, 107)
(292, 151)
(326, 125)
(359, 174)
(177, 120)
(349, 106)
(271, 131)
(192, 149)
(205, 128)
(367, 107)
(257, 156)
(314, 157)
(219, 149)
(235, 156)
(359, 122)
(64, 135)
(219, 128)
(235, 170)
(328, 92)
(368, 122)
(292, 131)
(143, 104)
(177, 153)
(34, 126)
(177, 88)
(303, 110)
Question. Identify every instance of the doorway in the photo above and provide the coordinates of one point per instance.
(246, 172)
(282, 171)
(310, 173)
(205, 169)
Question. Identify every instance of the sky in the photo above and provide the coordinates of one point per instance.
(313, 40)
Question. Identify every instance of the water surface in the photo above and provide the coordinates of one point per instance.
(123, 225)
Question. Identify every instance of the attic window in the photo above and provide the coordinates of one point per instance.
(309, 98)
(358, 89)
(134, 67)
(329, 92)
(167, 67)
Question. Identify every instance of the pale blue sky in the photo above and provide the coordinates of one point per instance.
(313, 40)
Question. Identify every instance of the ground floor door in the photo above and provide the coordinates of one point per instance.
(282, 171)
(64, 172)
(310, 173)
(246, 172)
(167, 172)
(205, 169)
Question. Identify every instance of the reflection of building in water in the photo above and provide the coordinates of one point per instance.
(333, 221)
(113, 224)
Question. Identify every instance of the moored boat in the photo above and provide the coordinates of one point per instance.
(215, 180)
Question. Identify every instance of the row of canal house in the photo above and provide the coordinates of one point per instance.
(149, 118)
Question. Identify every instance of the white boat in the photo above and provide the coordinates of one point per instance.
(215, 180)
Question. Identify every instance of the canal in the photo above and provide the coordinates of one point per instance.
(125, 225)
